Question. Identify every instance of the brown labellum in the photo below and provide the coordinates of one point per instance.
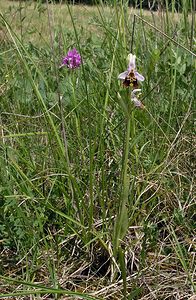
(131, 81)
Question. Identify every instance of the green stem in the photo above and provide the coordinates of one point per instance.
(126, 151)
(134, 150)
(123, 214)
(121, 223)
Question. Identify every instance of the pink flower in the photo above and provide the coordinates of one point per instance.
(72, 60)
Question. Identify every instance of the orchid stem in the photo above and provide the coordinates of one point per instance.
(126, 151)
(123, 214)
(120, 229)
(135, 161)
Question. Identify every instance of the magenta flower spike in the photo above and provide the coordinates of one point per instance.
(130, 77)
(72, 60)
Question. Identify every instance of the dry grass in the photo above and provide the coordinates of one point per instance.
(161, 278)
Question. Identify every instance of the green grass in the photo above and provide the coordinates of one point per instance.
(96, 196)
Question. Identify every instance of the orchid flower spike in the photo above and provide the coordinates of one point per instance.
(135, 100)
(72, 60)
(131, 77)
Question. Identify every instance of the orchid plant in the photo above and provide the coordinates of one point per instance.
(131, 79)
(71, 61)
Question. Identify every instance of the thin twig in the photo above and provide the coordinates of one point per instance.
(165, 35)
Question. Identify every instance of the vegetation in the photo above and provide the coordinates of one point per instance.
(96, 195)
(147, 4)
